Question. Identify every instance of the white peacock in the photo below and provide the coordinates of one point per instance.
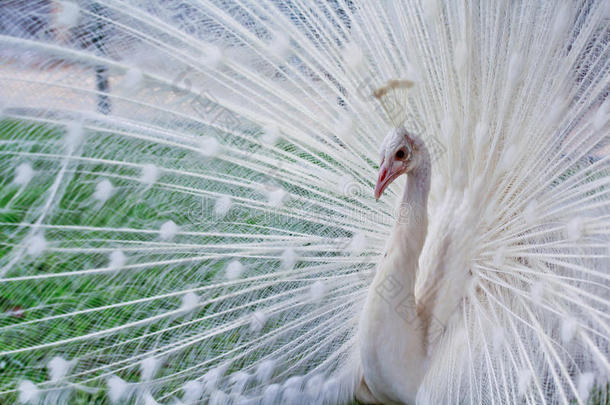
(187, 208)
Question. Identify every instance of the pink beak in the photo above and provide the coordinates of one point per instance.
(387, 174)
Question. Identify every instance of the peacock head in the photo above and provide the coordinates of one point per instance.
(399, 151)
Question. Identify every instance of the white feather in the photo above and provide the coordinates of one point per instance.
(223, 206)
(601, 116)
(515, 70)
(212, 378)
(118, 389)
(68, 14)
(149, 399)
(149, 367)
(288, 259)
(280, 45)
(461, 55)
(234, 270)
(132, 81)
(524, 381)
(257, 321)
(209, 146)
(28, 392)
(353, 56)
(168, 230)
(568, 329)
(58, 368)
(219, 398)
(575, 228)
(271, 134)
(562, 19)
(264, 371)
(36, 245)
(239, 380)
(103, 190)
(585, 383)
(150, 174)
(193, 391)
(271, 394)
(357, 244)
(23, 174)
(276, 197)
(530, 212)
(213, 56)
(117, 259)
(317, 291)
(537, 292)
(190, 301)
(74, 135)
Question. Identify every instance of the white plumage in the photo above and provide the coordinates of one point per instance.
(187, 209)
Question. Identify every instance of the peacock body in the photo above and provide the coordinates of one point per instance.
(187, 210)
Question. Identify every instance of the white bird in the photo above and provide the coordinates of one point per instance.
(189, 212)
(392, 332)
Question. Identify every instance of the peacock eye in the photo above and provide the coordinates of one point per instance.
(400, 154)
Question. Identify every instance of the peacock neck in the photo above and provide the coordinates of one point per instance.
(410, 229)
(412, 222)
(392, 334)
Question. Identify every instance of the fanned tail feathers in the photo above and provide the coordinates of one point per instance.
(187, 211)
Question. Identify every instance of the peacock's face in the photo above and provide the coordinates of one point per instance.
(396, 159)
